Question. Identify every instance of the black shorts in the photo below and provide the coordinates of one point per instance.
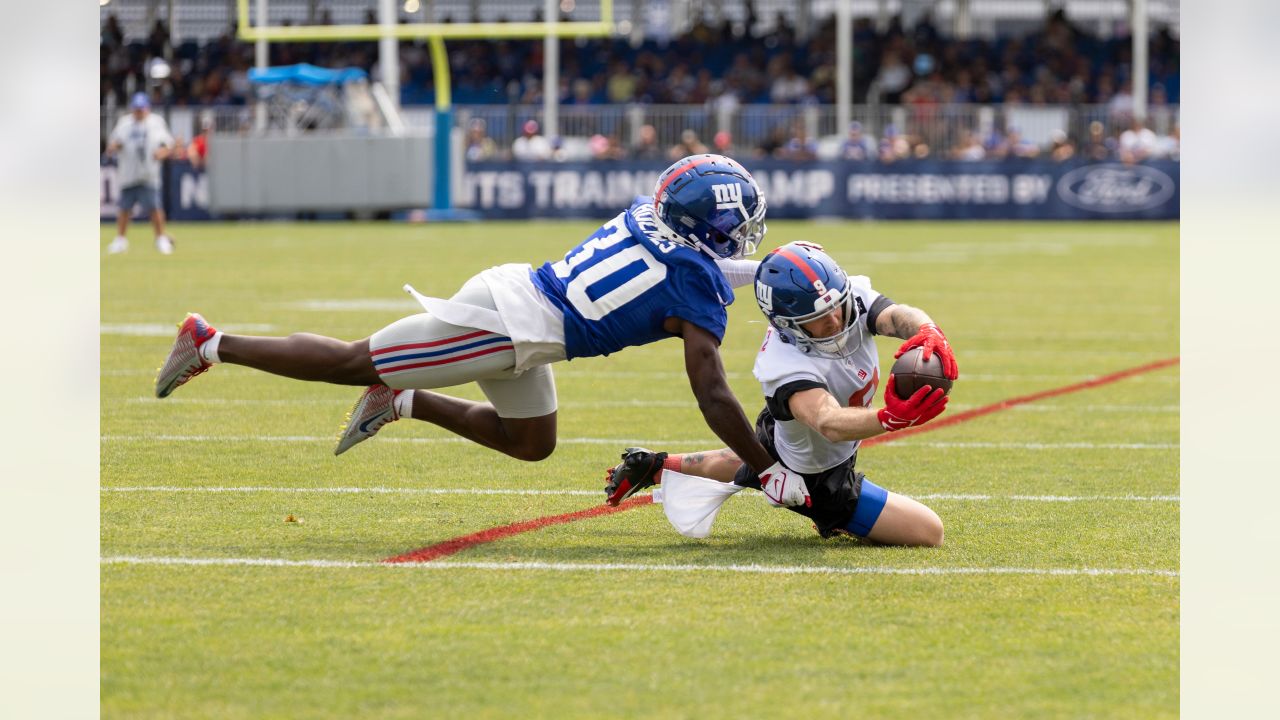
(834, 491)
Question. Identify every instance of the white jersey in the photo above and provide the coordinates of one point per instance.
(139, 141)
(852, 381)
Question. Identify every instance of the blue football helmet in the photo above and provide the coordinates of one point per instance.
(799, 283)
(712, 204)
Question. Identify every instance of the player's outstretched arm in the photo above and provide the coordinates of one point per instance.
(818, 409)
(918, 329)
(717, 402)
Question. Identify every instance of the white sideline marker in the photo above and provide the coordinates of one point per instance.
(199, 490)
(682, 404)
(635, 567)
(648, 442)
(170, 329)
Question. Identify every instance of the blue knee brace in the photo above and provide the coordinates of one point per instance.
(870, 503)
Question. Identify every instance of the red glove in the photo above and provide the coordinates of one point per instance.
(920, 408)
(930, 338)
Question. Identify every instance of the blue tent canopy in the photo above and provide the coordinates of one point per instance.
(305, 74)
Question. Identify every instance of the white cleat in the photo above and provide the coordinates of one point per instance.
(117, 246)
(164, 244)
(375, 408)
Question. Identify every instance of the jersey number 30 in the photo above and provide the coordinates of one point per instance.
(607, 283)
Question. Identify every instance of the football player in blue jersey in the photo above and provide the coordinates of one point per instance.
(665, 267)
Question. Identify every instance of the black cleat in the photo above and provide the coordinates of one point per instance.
(639, 469)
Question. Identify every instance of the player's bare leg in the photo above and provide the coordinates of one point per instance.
(904, 521)
(303, 356)
(530, 439)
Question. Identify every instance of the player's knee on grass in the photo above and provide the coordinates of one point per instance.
(908, 522)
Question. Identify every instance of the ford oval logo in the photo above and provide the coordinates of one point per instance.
(1115, 188)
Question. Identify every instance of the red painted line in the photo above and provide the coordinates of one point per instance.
(1021, 400)
(458, 544)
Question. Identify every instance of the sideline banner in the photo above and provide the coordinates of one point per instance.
(916, 189)
(184, 191)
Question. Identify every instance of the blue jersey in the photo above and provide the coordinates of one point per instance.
(618, 287)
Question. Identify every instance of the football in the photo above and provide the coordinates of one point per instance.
(911, 372)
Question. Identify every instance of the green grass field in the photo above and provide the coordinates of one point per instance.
(1008, 619)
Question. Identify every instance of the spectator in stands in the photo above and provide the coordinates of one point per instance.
(788, 86)
(140, 141)
(799, 147)
(1138, 143)
(1014, 146)
(689, 145)
(1098, 147)
(558, 152)
(646, 146)
(969, 149)
(1061, 148)
(621, 86)
(894, 77)
(606, 148)
(723, 143)
(1168, 146)
(198, 151)
(893, 146)
(480, 147)
(531, 146)
(856, 145)
(772, 142)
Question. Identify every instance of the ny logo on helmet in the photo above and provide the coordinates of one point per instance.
(764, 296)
(728, 196)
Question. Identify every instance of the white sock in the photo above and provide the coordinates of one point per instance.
(209, 350)
(404, 403)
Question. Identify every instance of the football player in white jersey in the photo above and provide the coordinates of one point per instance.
(663, 268)
(819, 371)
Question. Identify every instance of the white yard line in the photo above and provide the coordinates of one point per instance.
(647, 442)
(675, 404)
(355, 305)
(574, 374)
(585, 493)
(636, 567)
(197, 400)
(171, 329)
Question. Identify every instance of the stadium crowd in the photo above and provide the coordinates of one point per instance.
(1058, 64)
(725, 66)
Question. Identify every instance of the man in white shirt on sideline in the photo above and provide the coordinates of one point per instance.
(1138, 143)
(140, 141)
(531, 146)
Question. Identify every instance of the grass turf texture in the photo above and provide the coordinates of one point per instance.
(1028, 307)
